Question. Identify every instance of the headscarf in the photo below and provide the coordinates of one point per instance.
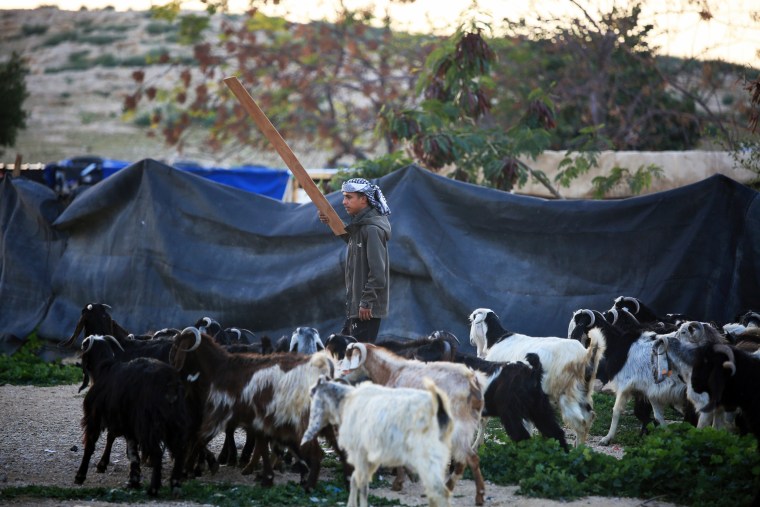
(374, 195)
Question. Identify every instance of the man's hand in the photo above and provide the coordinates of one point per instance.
(323, 218)
(365, 313)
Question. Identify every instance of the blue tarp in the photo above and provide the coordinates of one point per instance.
(256, 179)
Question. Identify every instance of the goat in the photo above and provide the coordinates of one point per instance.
(460, 383)
(628, 356)
(729, 376)
(336, 345)
(267, 393)
(438, 346)
(304, 340)
(92, 357)
(679, 353)
(379, 425)
(646, 317)
(143, 400)
(513, 393)
(570, 367)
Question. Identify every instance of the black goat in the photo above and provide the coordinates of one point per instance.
(144, 401)
(438, 346)
(336, 345)
(513, 393)
(730, 376)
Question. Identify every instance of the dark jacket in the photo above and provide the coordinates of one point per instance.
(367, 266)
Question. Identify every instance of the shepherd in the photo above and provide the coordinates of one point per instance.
(367, 271)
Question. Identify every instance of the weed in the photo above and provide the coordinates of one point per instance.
(25, 368)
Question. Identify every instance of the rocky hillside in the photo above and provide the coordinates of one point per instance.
(81, 64)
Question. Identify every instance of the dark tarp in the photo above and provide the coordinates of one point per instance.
(164, 248)
(29, 252)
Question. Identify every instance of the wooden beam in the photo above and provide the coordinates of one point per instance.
(287, 155)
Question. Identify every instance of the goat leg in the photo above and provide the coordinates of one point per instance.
(250, 440)
(155, 479)
(134, 464)
(398, 482)
(228, 454)
(106, 457)
(92, 432)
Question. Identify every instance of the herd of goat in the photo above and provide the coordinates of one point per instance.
(417, 405)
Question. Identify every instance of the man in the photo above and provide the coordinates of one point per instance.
(367, 266)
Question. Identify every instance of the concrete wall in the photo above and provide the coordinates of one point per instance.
(678, 168)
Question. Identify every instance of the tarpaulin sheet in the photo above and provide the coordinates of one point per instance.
(29, 252)
(257, 179)
(164, 248)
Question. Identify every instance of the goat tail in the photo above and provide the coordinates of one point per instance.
(537, 368)
(596, 347)
(441, 407)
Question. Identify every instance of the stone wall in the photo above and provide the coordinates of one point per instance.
(679, 168)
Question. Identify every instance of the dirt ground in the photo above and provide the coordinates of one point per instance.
(40, 444)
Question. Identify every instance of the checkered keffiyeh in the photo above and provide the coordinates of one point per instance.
(374, 194)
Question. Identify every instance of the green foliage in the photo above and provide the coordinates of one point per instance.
(217, 494)
(746, 155)
(100, 39)
(160, 27)
(600, 72)
(60, 37)
(32, 30)
(682, 464)
(371, 168)
(13, 93)
(637, 181)
(26, 368)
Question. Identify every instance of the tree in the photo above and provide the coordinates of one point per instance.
(599, 73)
(12, 96)
(321, 82)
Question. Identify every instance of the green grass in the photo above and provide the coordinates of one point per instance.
(25, 368)
(217, 494)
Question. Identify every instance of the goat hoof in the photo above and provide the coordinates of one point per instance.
(101, 469)
(605, 441)
(79, 479)
(266, 481)
(152, 491)
(248, 470)
(396, 486)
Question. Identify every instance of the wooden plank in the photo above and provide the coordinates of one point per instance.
(17, 166)
(287, 155)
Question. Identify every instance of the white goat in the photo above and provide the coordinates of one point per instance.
(570, 367)
(395, 427)
(460, 383)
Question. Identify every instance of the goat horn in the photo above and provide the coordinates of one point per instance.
(88, 342)
(106, 306)
(197, 334)
(80, 327)
(615, 315)
(591, 315)
(237, 332)
(207, 321)
(725, 349)
(113, 340)
(294, 340)
(362, 352)
(626, 310)
(634, 301)
(319, 342)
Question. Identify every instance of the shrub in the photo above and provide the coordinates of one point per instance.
(31, 30)
(26, 368)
